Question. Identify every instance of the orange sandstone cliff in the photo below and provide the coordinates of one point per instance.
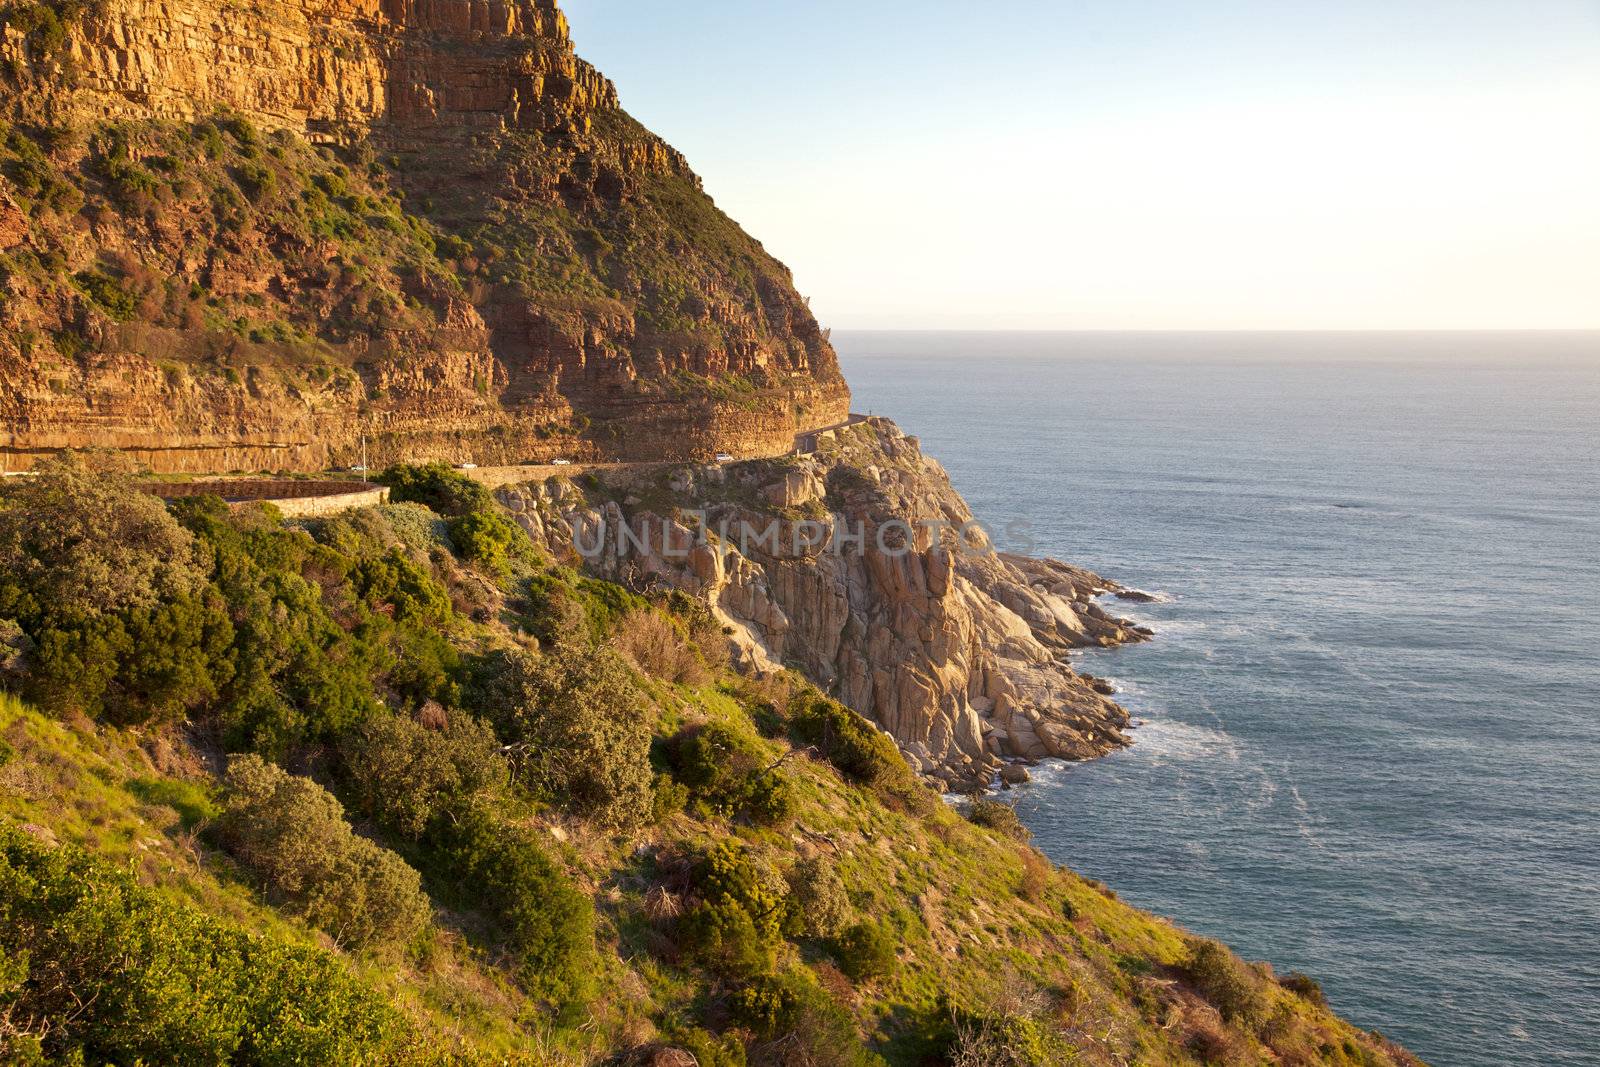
(251, 236)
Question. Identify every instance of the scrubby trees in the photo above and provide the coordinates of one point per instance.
(998, 816)
(732, 774)
(578, 730)
(292, 835)
(79, 540)
(1227, 982)
(96, 968)
(110, 594)
(546, 924)
(820, 893)
(406, 776)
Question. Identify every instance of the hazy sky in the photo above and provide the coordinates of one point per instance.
(1128, 164)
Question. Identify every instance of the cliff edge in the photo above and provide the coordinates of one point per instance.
(859, 565)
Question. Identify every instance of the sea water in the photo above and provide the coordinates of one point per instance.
(1370, 747)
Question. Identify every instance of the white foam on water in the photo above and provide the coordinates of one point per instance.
(1156, 596)
(1161, 741)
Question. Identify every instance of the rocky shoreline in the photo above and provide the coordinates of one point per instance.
(867, 573)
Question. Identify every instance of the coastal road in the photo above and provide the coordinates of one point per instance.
(804, 443)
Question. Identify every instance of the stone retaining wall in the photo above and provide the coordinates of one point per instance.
(296, 499)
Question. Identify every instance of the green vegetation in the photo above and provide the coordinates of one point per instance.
(507, 814)
(866, 950)
(579, 732)
(291, 833)
(360, 265)
(999, 817)
(95, 967)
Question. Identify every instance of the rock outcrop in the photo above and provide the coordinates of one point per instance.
(250, 237)
(860, 566)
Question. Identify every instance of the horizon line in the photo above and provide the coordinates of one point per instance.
(1222, 330)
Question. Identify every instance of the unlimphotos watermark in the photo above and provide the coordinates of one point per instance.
(592, 536)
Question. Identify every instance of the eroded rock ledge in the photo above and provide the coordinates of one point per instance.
(958, 651)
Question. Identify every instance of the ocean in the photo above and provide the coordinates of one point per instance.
(1370, 747)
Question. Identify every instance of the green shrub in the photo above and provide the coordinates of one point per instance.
(768, 1006)
(291, 833)
(130, 184)
(110, 594)
(732, 774)
(257, 182)
(394, 578)
(80, 540)
(770, 799)
(209, 138)
(547, 923)
(485, 538)
(405, 776)
(723, 937)
(567, 608)
(667, 798)
(323, 629)
(578, 730)
(108, 293)
(998, 816)
(446, 491)
(867, 950)
(798, 1023)
(242, 131)
(741, 915)
(95, 968)
(858, 749)
(1227, 983)
(820, 895)
(1305, 987)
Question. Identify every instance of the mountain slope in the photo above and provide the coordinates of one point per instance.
(508, 810)
(248, 237)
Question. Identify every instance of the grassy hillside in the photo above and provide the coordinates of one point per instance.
(461, 799)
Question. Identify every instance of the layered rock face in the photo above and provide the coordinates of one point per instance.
(485, 259)
(859, 565)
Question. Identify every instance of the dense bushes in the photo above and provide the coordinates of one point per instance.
(867, 950)
(858, 749)
(998, 816)
(136, 614)
(578, 730)
(730, 772)
(797, 1024)
(485, 538)
(406, 776)
(566, 608)
(110, 593)
(320, 629)
(291, 833)
(479, 530)
(1227, 983)
(435, 485)
(92, 965)
(1305, 987)
(546, 923)
(743, 910)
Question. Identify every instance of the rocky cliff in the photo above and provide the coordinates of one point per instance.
(859, 565)
(248, 237)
